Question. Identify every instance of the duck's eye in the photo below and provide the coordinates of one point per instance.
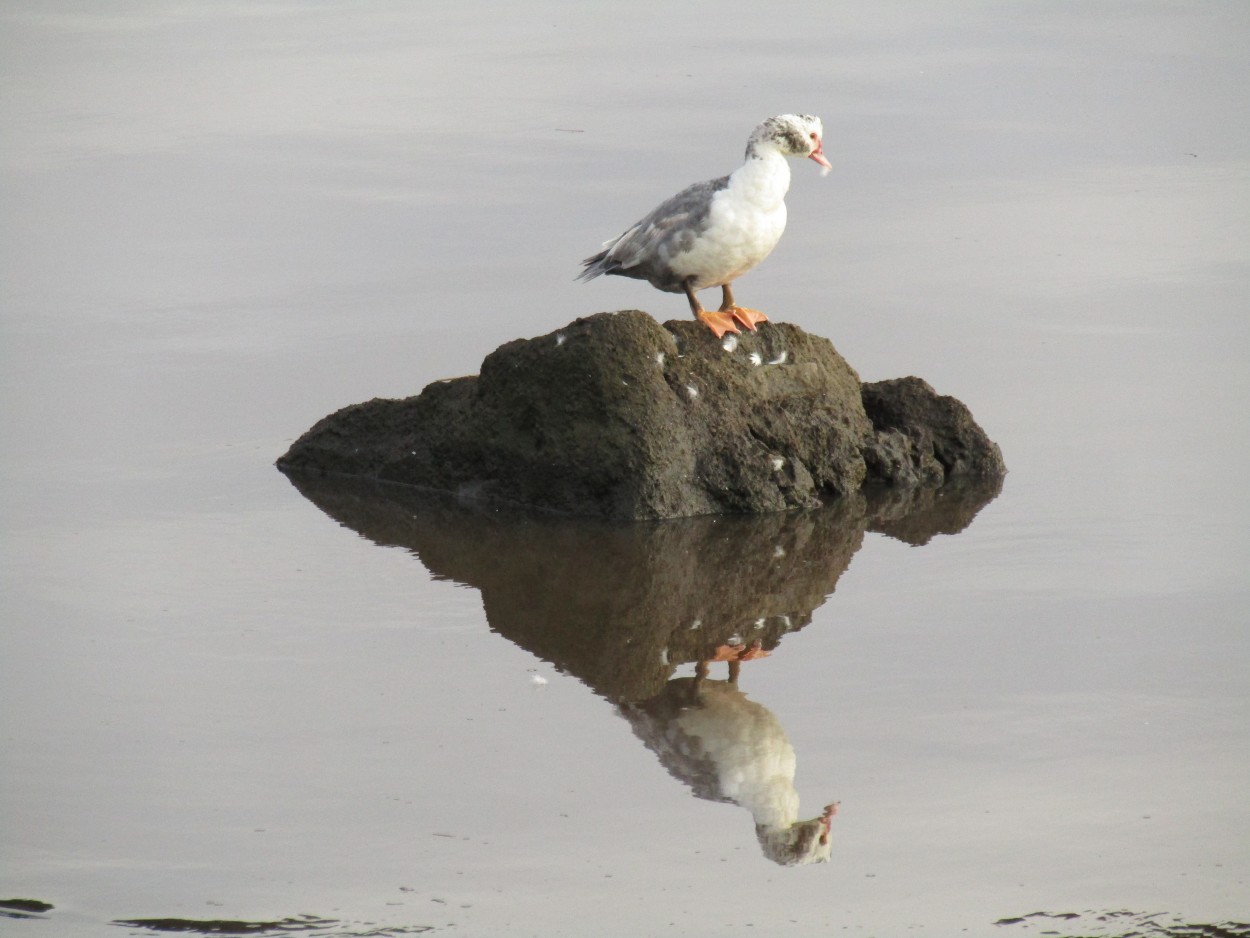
(812, 135)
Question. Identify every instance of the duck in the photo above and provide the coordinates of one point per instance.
(713, 232)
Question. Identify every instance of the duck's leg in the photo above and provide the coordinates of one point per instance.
(719, 322)
(748, 317)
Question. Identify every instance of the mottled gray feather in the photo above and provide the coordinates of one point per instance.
(643, 251)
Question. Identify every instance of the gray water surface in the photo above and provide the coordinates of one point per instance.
(224, 699)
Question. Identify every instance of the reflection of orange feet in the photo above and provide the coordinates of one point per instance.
(748, 317)
(740, 652)
(719, 322)
(754, 650)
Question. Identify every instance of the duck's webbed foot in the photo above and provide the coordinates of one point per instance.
(748, 317)
(719, 322)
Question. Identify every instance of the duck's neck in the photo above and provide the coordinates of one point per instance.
(774, 805)
(764, 177)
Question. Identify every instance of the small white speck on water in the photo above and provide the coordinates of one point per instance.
(779, 360)
(538, 680)
(560, 338)
(729, 342)
(756, 358)
(692, 391)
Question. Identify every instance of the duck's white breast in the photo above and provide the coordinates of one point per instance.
(744, 224)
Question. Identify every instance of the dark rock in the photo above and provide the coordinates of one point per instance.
(924, 438)
(23, 908)
(616, 416)
(298, 923)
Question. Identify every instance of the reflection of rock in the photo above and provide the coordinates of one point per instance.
(616, 416)
(621, 606)
(916, 515)
(728, 748)
(618, 605)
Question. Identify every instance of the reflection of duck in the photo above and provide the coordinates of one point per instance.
(728, 748)
(623, 606)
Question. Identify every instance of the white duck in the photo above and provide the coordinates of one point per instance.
(711, 233)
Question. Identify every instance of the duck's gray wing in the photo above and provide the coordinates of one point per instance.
(670, 229)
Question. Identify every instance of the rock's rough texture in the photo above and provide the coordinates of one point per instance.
(616, 416)
(923, 438)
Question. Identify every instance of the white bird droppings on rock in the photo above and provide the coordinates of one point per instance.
(777, 462)
(659, 358)
(730, 342)
(759, 623)
(692, 391)
(779, 360)
(756, 358)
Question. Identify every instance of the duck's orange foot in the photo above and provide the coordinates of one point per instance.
(748, 317)
(719, 322)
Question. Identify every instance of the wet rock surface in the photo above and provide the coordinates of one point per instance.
(617, 416)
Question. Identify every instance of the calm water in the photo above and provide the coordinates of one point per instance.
(222, 698)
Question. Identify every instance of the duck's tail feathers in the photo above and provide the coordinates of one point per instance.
(596, 266)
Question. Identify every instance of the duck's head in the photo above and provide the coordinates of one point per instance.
(800, 135)
(801, 842)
